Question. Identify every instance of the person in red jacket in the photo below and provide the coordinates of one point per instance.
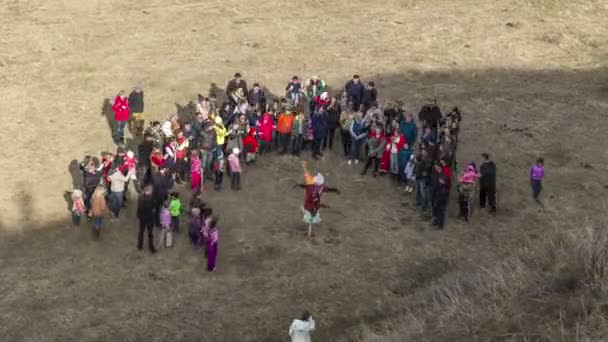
(266, 131)
(250, 144)
(121, 116)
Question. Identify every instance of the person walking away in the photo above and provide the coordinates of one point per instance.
(357, 136)
(136, 107)
(346, 120)
(300, 329)
(319, 131)
(78, 208)
(333, 121)
(196, 173)
(284, 127)
(118, 181)
(146, 213)
(98, 209)
(487, 182)
(355, 90)
(166, 233)
(121, 116)
(235, 169)
(375, 147)
(537, 173)
(212, 245)
(175, 208)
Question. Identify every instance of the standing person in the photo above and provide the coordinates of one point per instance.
(118, 181)
(78, 208)
(355, 90)
(162, 183)
(408, 128)
(235, 169)
(300, 329)
(212, 245)
(314, 88)
(319, 131)
(196, 173)
(294, 90)
(346, 120)
(487, 182)
(466, 188)
(423, 172)
(121, 116)
(375, 147)
(410, 176)
(284, 127)
(219, 166)
(370, 96)
(194, 225)
(266, 132)
(92, 173)
(441, 197)
(175, 208)
(250, 146)
(136, 106)
(166, 234)
(430, 115)
(146, 213)
(144, 152)
(333, 121)
(256, 96)
(235, 87)
(357, 137)
(181, 153)
(98, 209)
(537, 173)
(297, 134)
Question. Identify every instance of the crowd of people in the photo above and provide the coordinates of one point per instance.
(417, 153)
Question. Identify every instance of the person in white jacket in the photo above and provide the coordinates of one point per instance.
(300, 329)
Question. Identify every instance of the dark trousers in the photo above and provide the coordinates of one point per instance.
(439, 209)
(316, 146)
(346, 143)
(537, 187)
(329, 139)
(219, 176)
(356, 103)
(182, 167)
(487, 194)
(175, 223)
(372, 160)
(236, 180)
(284, 141)
(464, 204)
(143, 226)
(296, 144)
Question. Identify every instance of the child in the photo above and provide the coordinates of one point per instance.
(194, 226)
(466, 187)
(219, 165)
(130, 163)
(204, 228)
(175, 208)
(294, 90)
(235, 168)
(166, 236)
(410, 176)
(297, 133)
(196, 176)
(537, 173)
(212, 245)
(250, 143)
(77, 207)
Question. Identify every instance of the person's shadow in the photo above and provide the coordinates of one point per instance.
(106, 111)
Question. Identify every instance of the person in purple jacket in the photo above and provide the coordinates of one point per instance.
(537, 173)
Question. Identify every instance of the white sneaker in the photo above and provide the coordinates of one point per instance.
(350, 162)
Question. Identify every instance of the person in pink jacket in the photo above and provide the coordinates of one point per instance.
(121, 115)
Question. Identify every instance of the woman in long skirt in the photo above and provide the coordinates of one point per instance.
(212, 245)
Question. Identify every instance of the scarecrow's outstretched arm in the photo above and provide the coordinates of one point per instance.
(303, 186)
(336, 190)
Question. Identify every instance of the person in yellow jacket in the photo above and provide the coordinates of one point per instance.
(220, 131)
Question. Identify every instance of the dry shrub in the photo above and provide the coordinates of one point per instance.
(555, 291)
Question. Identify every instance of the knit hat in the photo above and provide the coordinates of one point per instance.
(77, 193)
(324, 96)
(236, 150)
(319, 179)
(130, 154)
(218, 120)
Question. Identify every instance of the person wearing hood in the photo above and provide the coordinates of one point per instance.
(319, 130)
(312, 200)
(121, 116)
(300, 329)
(136, 107)
(487, 182)
(355, 91)
(358, 132)
(408, 128)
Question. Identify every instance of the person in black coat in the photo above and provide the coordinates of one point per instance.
(319, 131)
(370, 96)
(162, 183)
(354, 92)
(487, 183)
(144, 151)
(333, 121)
(441, 197)
(233, 85)
(430, 115)
(146, 213)
(256, 97)
(136, 106)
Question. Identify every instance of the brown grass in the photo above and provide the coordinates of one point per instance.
(536, 87)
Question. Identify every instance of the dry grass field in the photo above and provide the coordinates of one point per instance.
(530, 76)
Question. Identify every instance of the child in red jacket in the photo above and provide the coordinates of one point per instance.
(251, 145)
